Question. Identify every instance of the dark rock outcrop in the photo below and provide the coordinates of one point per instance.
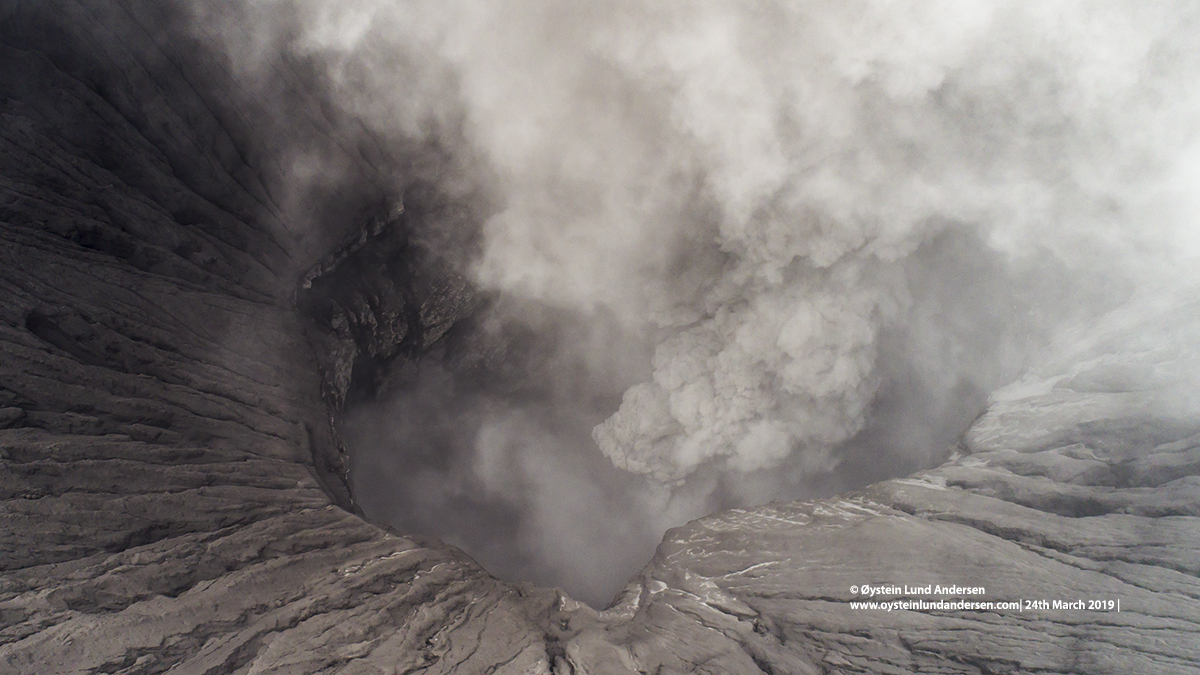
(172, 495)
(384, 296)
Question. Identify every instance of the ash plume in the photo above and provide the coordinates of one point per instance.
(823, 231)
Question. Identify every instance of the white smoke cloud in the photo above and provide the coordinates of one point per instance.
(749, 187)
(823, 138)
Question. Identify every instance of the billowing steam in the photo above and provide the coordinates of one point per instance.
(827, 223)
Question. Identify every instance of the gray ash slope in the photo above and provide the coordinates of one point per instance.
(173, 496)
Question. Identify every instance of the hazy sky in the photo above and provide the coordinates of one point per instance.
(757, 249)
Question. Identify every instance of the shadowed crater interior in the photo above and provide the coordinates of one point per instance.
(468, 415)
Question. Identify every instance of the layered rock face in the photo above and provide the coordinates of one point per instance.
(172, 496)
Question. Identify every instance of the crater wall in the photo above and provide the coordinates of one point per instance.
(172, 497)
